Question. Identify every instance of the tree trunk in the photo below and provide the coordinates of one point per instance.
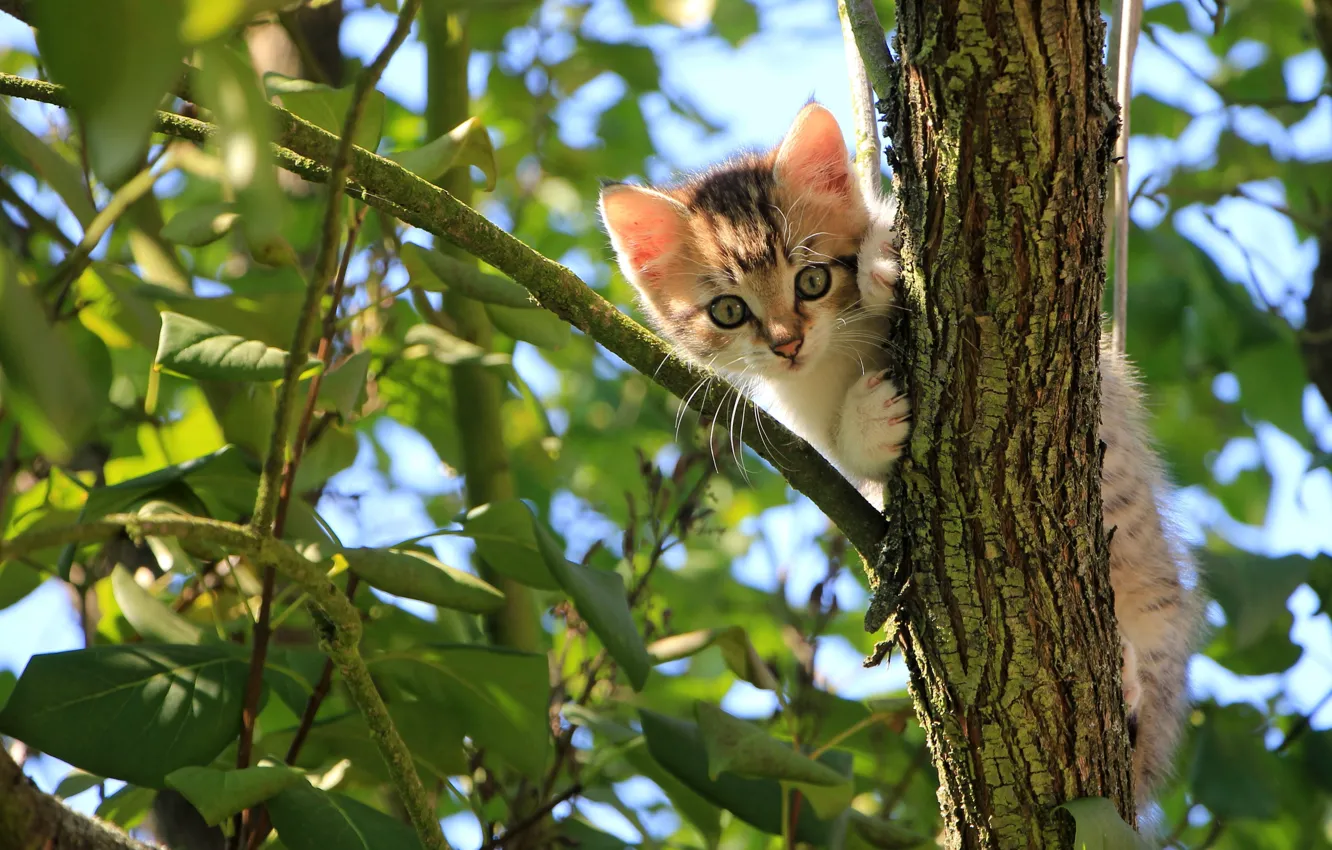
(1003, 127)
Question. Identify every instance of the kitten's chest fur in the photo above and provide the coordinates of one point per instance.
(810, 402)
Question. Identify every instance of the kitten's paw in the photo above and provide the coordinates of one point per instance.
(878, 268)
(876, 421)
(1128, 672)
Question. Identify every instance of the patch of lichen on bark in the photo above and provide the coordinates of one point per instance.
(998, 132)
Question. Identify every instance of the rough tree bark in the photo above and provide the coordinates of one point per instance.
(1003, 127)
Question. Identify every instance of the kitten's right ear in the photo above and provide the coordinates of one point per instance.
(646, 228)
(813, 155)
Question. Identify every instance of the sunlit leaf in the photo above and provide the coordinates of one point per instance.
(466, 144)
(149, 617)
(133, 712)
(200, 350)
(416, 575)
(219, 794)
(1100, 827)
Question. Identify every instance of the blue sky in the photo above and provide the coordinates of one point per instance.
(763, 88)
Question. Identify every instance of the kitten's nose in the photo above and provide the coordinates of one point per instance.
(788, 349)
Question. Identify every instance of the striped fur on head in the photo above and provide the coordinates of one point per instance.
(746, 228)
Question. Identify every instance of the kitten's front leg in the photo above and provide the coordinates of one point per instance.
(873, 429)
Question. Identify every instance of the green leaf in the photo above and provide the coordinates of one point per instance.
(436, 272)
(208, 19)
(59, 173)
(1252, 589)
(327, 107)
(739, 654)
(76, 782)
(585, 837)
(677, 746)
(43, 378)
(149, 617)
(134, 712)
(1100, 827)
(735, 20)
(466, 144)
(599, 596)
(334, 450)
(506, 540)
(537, 325)
(219, 794)
(705, 816)
(343, 386)
(416, 575)
(228, 86)
(742, 748)
(116, 59)
(882, 834)
(201, 225)
(1234, 774)
(309, 819)
(16, 582)
(449, 349)
(199, 350)
(127, 807)
(500, 697)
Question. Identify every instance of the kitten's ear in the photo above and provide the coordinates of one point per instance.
(646, 228)
(813, 155)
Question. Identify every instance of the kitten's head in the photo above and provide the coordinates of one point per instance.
(748, 266)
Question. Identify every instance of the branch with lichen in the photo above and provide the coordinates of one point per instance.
(339, 642)
(301, 147)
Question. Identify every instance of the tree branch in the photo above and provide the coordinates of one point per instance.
(338, 640)
(869, 150)
(861, 18)
(32, 820)
(387, 186)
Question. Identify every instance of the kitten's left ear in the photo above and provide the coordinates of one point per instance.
(813, 156)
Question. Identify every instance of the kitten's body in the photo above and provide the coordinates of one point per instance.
(721, 261)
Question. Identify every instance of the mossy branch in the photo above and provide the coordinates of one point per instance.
(339, 642)
(32, 820)
(385, 185)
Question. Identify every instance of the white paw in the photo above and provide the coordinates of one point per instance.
(876, 420)
(878, 267)
(1129, 674)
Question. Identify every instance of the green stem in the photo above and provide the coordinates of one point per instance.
(862, 19)
(478, 391)
(265, 508)
(387, 186)
(869, 153)
(339, 642)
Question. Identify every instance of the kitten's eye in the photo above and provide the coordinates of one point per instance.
(813, 282)
(728, 311)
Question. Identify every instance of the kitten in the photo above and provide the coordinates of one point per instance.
(752, 268)
(775, 270)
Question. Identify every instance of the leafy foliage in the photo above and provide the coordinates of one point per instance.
(138, 376)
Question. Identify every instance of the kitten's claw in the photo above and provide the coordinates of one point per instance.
(876, 421)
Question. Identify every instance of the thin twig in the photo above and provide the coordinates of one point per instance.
(269, 501)
(1128, 23)
(535, 817)
(869, 152)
